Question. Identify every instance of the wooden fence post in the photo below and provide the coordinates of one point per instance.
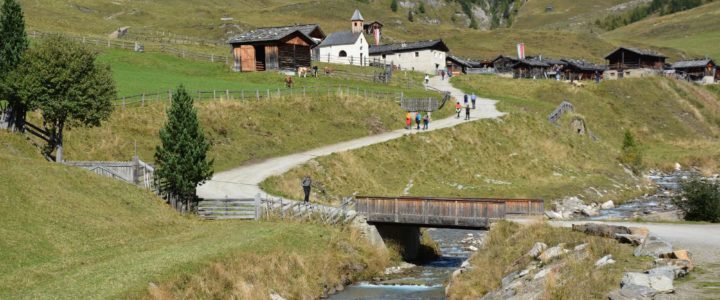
(303, 91)
(169, 94)
(257, 207)
(123, 106)
(257, 94)
(242, 94)
(227, 94)
(143, 100)
(214, 95)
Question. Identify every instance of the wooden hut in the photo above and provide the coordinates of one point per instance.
(582, 70)
(457, 65)
(504, 64)
(275, 48)
(530, 68)
(632, 62)
(696, 70)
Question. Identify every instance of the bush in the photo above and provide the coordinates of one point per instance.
(700, 200)
(394, 5)
(631, 155)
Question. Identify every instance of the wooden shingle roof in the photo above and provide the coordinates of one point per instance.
(270, 34)
(406, 47)
(695, 63)
(644, 52)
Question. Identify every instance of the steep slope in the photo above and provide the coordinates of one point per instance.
(569, 15)
(694, 32)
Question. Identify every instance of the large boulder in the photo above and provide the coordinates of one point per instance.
(673, 272)
(553, 215)
(653, 247)
(608, 231)
(631, 239)
(640, 231)
(607, 205)
(645, 285)
(589, 211)
(552, 253)
(605, 260)
(537, 249)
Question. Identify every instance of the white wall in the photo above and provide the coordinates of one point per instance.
(354, 52)
(427, 61)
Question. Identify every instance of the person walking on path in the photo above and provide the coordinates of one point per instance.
(473, 98)
(408, 121)
(458, 109)
(306, 184)
(465, 102)
(467, 111)
(426, 121)
(418, 120)
(442, 74)
(427, 79)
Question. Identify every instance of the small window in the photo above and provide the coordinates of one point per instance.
(383, 56)
(417, 54)
(343, 53)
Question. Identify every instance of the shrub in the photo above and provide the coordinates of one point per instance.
(631, 155)
(700, 200)
(394, 5)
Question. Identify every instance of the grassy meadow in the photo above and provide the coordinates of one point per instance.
(524, 155)
(70, 234)
(505, 248)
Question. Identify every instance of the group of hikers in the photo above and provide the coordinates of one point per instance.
(419, 119)
(467, 105)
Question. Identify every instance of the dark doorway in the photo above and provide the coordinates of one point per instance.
(260, 58)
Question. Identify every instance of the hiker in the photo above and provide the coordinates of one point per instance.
(306, 184)
(467, 111)
(465, 102)
(418, 119)
(557, 76)
(408, 121)
(458, 109)
(473, 98)
(597, 76)
(427, 79)
(426, 121)
(442, 73)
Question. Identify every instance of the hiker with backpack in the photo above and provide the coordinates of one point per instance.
(473, 98)
(426, 121)
(306, 184)
(408, 121)
(458, 109)
(467, 111)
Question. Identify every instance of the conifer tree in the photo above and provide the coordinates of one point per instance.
(422, 8)
(410, 16)
(181, 157)
(13, 43)
(394, 5)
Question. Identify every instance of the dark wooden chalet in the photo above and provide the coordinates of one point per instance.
(624, 58)
(695, 69)
(530, 68)
(275, 48)
(457, 65)
(582, 70)
(504, 64)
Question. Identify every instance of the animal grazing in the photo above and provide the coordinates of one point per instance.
(303, 71)
(288, 81)
(328, 70)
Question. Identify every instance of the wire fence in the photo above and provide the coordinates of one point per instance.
(258, 94)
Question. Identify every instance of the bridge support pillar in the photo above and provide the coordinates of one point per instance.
(407, 237)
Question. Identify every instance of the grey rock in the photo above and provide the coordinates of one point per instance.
(590, 212)
(537, 249)
(581, 247)
(509, 278)
(647, 285)
(276, 296)
(672, 272)
(553, 215)
(552, 253)
(605, 260)
(602, 230)
(654, 247)
(607, 205)
(631, 239)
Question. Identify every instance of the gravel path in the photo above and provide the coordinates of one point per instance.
(242, 182)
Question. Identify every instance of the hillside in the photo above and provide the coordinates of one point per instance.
(695, 32)
(70, 234)
(523, 155)
(568, 15)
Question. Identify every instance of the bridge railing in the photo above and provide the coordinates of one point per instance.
(446, 212)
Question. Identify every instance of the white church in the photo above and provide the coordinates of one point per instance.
(346, 47)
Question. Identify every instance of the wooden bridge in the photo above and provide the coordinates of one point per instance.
(444, 212)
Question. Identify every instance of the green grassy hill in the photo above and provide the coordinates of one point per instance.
(695, 32)
(523, 155)
(70, 234)
(567, 15)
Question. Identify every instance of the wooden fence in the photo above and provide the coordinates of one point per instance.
(223, 209)
(444, 212)
(564, 107)
(135, 172)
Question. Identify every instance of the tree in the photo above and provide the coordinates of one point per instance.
(394, 5)
(631, 155)
(181, 158)
(62, 79)
(473, 23)
(700, 200)
(410, 16)
(422, 8)
(13, 43)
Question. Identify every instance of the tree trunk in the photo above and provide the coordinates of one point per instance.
(59, 145)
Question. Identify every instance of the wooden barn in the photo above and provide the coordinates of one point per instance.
(582, 70)
(530, 68)
(456, 65)
(275, 48)
(696, 70)
(504, 64)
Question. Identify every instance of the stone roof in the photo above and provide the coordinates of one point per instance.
(532, 63)
(460, 61)
(269, 34)
(406, 47)
(696, 63)
(357, 16)
(646, 52)
(583, 65)
(340, 38)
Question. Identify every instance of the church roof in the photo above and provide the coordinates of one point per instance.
(357, 16)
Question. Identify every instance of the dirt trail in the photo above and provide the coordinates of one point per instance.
(242, 182)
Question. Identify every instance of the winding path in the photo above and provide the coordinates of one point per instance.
(242, 182)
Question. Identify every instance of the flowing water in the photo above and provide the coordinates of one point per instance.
(425, 281)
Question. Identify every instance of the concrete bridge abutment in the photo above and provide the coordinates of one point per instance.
(406, 237)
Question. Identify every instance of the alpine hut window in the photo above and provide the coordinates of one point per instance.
(417, 54)
(343, 53)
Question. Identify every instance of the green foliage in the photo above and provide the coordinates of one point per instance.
(13, 43)
(659, 7)
(62, 79)
(410, 16)
(421, 8)
(473, 24)
(181, 157)
(394, 5)
(631, 154)
(700, 200)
